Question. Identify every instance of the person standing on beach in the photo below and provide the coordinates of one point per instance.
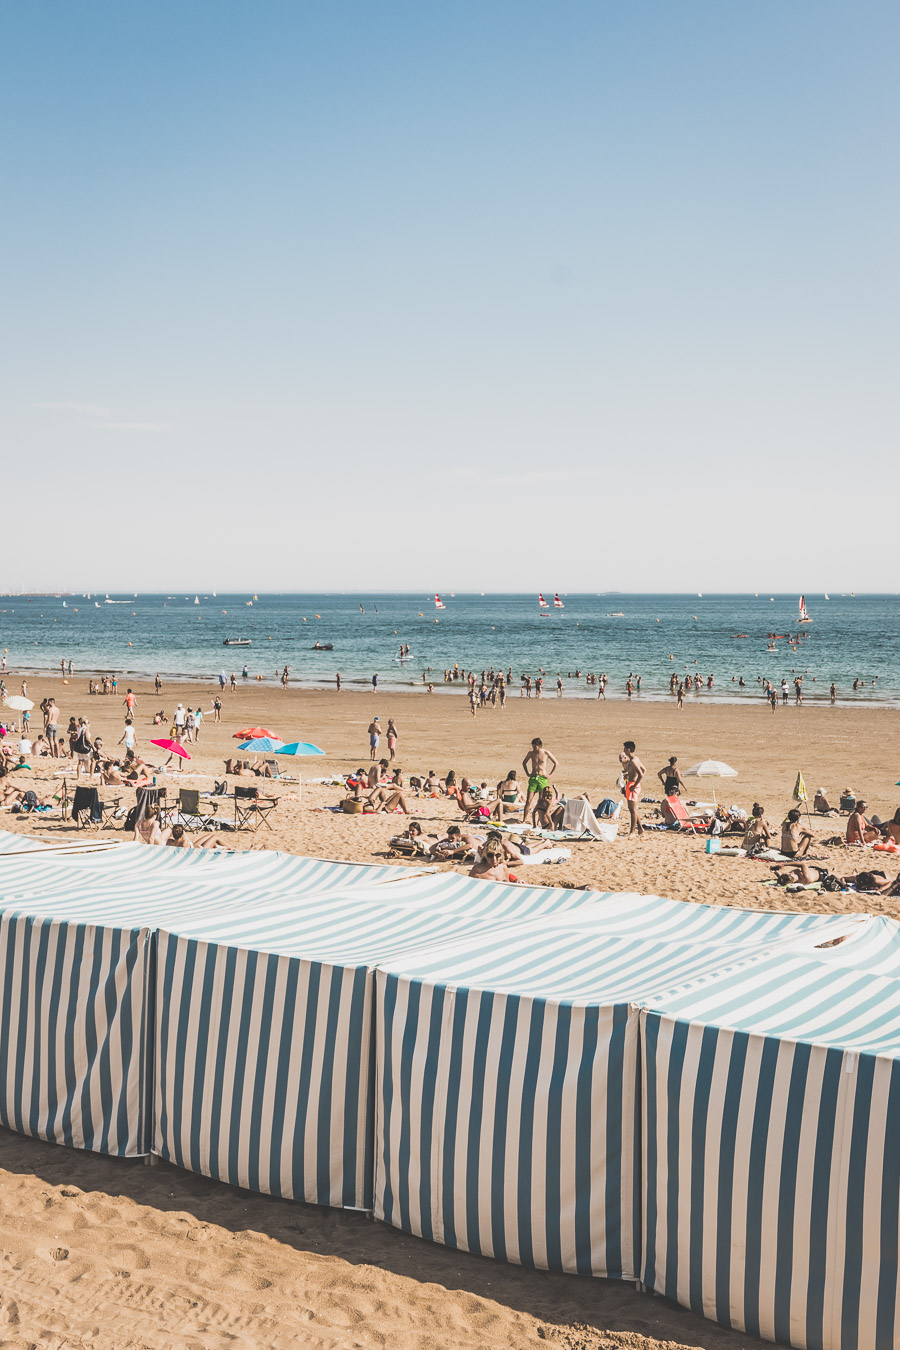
(681, 694)
(391, 738)
(285, 674)
(217, 709)
(540, 765)
(233, 682)
(671, 778)
(157, 684)
(633, 772)
(833, 692)
(375, 682)
(337, 680)
(130, 704)
(52, 728)
(374, 735)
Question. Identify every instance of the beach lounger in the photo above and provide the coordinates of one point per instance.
(676, 816)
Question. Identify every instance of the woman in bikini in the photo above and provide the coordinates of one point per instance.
(670, 778)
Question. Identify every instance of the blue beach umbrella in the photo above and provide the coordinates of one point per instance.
(261, 745)
(297, 749)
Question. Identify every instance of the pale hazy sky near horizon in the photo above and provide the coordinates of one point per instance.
(490, 296)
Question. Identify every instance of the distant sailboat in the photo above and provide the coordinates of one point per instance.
(804, 612)
(827, 596)
(558, 604)
(438, 602)
(542, 603)
(361, 610)
(196, 599)
(65, 606)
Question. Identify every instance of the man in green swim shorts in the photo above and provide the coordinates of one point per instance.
(539, 764)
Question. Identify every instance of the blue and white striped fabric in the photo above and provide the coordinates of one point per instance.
(73, 1034)
(279, 995)
(19, 843)
(77, 936)
(771, 1140)
(873, 947)
(506, 1073)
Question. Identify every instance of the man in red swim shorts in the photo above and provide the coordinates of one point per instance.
(633, 772)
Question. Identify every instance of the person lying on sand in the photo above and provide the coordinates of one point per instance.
(111, 775)
(412, 841)
(456, 844)
(178, 839)
(795, 840)
(803, 874)
(13, 796)
(515, 848)
(387, 799)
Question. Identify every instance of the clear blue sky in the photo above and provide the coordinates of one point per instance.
(496, 295)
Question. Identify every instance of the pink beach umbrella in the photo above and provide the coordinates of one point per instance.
(173, 748)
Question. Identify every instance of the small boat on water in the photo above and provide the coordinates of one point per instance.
(236, 642)
(323, 647)
(616, 614)
(804, 612)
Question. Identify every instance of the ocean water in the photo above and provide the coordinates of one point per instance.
(648, 635)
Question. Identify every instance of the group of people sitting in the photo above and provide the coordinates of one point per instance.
(490, 854)
(796, 838)
(381, 788)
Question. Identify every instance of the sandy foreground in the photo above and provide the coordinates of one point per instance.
(115, 1254)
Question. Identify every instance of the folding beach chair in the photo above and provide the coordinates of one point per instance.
(88, 811)
(190, 811)
(276, 772)
(674, 812)
(251, 810)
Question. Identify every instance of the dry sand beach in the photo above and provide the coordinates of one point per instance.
(115, 1254)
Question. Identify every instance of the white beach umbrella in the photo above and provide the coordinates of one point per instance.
(18, 704)
(711, 768)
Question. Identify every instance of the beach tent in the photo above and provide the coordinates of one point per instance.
(264, 1030)
(771, 1138)
(506, 1073)
(76, 957)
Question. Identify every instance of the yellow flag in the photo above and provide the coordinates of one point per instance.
(800, 789)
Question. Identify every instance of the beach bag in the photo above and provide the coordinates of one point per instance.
(831, 883)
